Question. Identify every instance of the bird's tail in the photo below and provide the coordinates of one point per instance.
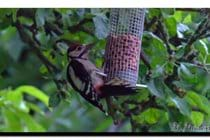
(117, 87)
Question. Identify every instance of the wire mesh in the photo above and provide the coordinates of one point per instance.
(124, 44)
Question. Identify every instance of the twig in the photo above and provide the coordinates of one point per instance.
(188, 9)
(194, 37)
(205, 36)
(145, 59)
(26, 38)
(165, 37)
(52, 27)
(111, 109)
(148, 25)
(79, 27)
(36, 48)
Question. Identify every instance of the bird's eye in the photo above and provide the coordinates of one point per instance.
(79, 48)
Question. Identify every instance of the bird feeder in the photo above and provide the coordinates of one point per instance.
(122, 52)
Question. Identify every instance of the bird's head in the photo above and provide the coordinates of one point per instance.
(78, 51)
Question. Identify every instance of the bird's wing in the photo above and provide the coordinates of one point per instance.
(83, 85)
(78, 77)
(117, 87)
(92, 68)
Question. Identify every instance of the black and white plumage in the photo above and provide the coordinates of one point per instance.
(88, 81)
(83, 76)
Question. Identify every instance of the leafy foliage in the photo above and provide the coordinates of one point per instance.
(16, 112)
(175, 66)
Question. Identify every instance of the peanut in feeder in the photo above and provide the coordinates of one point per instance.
(124, 44)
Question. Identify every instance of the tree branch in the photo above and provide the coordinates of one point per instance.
(148, 25)
(145, 59)
(195, 36)
(79, 27)
(36, 49)
(188, 9)
(165, 37)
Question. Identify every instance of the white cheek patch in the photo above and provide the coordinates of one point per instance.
(77, 82)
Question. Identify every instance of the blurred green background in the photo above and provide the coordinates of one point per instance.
(175, 41)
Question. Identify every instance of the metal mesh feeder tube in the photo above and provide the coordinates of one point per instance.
(124, 44)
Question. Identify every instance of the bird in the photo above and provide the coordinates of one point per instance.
(83, 75)
(88, 80)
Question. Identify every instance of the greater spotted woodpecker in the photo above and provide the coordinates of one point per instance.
(88, 81)
(83, 75)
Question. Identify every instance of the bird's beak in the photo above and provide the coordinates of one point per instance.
(88, 47)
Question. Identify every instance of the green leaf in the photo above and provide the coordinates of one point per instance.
(79, 37)
(202, 48)
(185, 73)
(16, 98)
(155, 48)
(178, 15)
(14, 45)
(180, 52)
(157, 88)
(143, 95)
(171, 25)
(150, 116)
(43, 39)
(208, 59)
(187, 19)
(183, 84)
(197, 118)
(103, 126)
(43, 69)
(167, 12)
(35, 92)
(154, 12)
(158, 71)
(182, 105)
(199, 101)
(25, 21)
(12, 121)
(80, 12)
(31, 124)
(185, 70)
(43, 15)
(16, 111)
(101, 26)
(5, 19)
